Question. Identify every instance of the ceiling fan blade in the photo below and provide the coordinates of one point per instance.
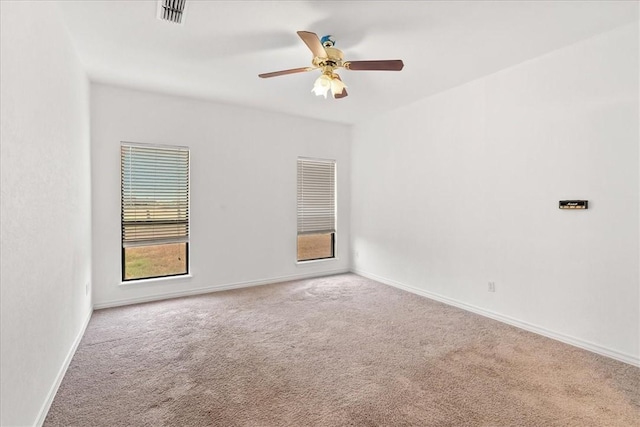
(285, 72)
(313, 43)
(344, 91)
(382, 65)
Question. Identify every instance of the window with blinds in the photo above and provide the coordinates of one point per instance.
(154, 210)
(316, 209)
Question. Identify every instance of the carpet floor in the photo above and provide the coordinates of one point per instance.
(335, 351)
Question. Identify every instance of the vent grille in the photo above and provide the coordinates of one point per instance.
(171, 10)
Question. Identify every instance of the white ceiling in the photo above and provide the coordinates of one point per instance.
(223, 46)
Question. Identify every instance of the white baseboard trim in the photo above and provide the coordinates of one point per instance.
(567, 339)
(215, 288)
(44, 410)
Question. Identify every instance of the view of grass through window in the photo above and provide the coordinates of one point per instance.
(155, 261)
(315, 246)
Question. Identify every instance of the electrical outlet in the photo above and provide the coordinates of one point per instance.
(357, 254)
(492, 287)
(86, 288)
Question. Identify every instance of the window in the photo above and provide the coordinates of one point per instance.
(316, 209)
(154, 210)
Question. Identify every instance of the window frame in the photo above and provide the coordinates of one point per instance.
(334, 231)
(187, 241)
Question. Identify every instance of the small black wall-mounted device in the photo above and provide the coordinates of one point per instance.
(574, 204)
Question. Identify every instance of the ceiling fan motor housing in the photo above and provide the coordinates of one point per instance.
(332, 60)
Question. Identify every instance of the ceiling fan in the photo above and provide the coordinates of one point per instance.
(328, 59)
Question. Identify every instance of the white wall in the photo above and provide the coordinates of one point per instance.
(243, 189)
(462, 188)
(45, 210)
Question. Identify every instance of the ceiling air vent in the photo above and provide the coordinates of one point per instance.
(171, 10)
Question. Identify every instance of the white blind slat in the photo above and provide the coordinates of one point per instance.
(316, 196)
(154, 194)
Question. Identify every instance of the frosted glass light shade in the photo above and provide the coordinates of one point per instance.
(337, 86)
(322, 85)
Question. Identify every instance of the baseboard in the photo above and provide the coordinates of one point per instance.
(216, 288)
(44, 410)
(576, 342)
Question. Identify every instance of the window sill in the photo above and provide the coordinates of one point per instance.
(313, 261)
(156, 279)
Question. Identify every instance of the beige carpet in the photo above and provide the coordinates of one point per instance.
(336, 351)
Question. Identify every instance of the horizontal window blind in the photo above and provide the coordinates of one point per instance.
(316, 196)
(155, 194)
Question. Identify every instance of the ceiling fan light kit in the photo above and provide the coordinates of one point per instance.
(326, 81)
(327, 58)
